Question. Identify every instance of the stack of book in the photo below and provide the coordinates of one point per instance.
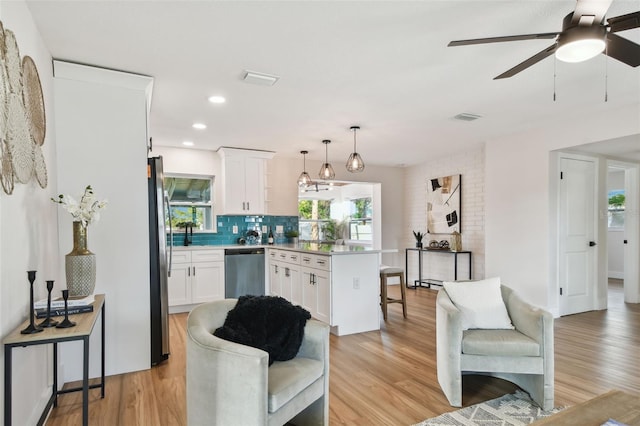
(76, 305)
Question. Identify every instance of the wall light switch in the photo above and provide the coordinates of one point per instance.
(279, 229)
(235, 229)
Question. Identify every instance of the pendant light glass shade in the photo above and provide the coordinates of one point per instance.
(355, 164)
(304, 179)
(326, 171)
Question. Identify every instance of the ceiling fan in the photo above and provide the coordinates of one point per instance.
(584, 35)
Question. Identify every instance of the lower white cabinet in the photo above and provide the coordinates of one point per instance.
(342, 290)
(284, 275)
(197, 276)
(316, 286)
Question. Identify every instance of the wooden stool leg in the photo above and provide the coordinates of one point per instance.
(383, 295)
(403, 292)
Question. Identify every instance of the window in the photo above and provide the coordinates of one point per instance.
(190, 200)
(314, 216)
(361, 213)
(615, 214)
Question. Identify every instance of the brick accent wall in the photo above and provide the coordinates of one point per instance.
(470, 164)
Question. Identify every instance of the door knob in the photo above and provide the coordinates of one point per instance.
(592, 243)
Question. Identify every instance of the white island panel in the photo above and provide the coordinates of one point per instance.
(355, 296)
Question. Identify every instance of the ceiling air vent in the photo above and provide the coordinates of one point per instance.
(465, 116)
(260, 78)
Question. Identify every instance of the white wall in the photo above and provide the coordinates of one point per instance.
(29, 238)
(519, 231)
(471, 165)
(102, 132)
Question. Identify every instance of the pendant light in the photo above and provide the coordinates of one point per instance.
(304, 179)
(355, 164)
(326, 171)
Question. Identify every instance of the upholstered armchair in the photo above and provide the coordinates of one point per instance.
(233, 384)
(523, 355)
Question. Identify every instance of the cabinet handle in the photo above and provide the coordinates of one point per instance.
(188, 271)
(194, 271)
(276, 268)
(286, 272)
(248, 208)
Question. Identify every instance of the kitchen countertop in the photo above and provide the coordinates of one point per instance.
(327, 249)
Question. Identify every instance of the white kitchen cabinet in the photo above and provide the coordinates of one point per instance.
(284, 275)
(338, 285)
(243, 181)
(197, 276)
(316, 286)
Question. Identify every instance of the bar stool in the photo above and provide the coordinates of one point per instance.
(386, 272)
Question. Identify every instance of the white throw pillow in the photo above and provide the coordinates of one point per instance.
(480, 302)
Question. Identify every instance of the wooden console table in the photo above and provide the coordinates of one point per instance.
(615, 404)
(430, 281)
(82, 331)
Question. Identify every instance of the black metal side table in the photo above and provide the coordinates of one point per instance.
(430, 281)
(82, 331)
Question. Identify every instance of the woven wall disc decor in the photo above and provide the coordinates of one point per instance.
(22, 117)
(33, 100)
(19, 139)
(6, 168)
(3, 45)
(13, 62)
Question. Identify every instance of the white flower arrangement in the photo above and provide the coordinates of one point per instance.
(85, 211)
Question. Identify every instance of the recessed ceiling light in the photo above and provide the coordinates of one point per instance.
(187, 143)
(199, 126)
(217, 99)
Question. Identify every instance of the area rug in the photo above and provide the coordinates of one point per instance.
(509, 410)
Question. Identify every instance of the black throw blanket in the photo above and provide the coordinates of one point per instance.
(269, 323)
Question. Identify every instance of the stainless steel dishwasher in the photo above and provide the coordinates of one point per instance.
(244, 272)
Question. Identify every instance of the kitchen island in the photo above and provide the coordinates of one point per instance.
(337, 284)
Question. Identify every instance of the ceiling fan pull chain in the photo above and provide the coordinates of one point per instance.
(606, 72)
(555, 61)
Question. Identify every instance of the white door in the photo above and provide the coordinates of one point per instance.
(577, 230)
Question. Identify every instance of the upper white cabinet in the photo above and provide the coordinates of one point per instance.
(243, 181)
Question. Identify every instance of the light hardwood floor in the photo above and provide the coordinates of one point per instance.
(389, 377)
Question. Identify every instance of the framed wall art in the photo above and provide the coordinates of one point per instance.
(444, 204)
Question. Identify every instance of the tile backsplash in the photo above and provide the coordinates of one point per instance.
(226, 225)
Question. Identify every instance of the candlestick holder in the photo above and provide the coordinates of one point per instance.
(31, 328)
(66, 323)
(48, 322)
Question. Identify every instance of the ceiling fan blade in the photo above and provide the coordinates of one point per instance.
(595, 8)
(624, 22)
(501, 39)
(526, 64)
(623, 50)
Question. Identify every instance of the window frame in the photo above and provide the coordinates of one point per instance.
(210, 204)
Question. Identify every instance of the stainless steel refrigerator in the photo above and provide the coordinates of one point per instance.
(160, 250)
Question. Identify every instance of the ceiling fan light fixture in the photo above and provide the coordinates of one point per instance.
(579, 44)
(304, 179)
(326, 171)
(355, 163)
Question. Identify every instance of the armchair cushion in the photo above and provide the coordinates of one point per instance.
(480, 303)
(498, 343)
(288, 379)
(269, 323)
